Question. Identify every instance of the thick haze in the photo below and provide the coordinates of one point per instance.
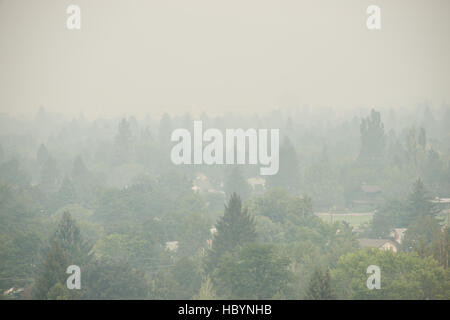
(139, 57)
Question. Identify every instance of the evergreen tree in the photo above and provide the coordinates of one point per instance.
(60, 292)
(255, 271)
(53, 272)
(105, 279)
(420, 202)
(67, 248)
(422, 234)
(320, 286)
(235, 228)
(206, 291)
(390, 214)
(69, 237)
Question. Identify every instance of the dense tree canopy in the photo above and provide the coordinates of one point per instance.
(104, 195)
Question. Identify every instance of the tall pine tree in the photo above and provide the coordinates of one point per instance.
(320, 286)
(67, 248)
(234, 229)
(420, 202)
(68, 235)
(53, 271)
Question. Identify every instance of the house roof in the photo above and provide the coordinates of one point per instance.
(441, 200)
(172, 245)
(256, 181)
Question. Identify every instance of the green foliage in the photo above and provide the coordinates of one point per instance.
(420, 202)
(253, 272)
(68, 236)
(206, 291)
(426, 237)
(67, 247)
(180, 281)
(403, 276)
(278, 204)
(60, 292)
(187, 272)
(129, 200)
(396, 213)
(193, 232)
(22, 232)
(134, 250)
(391, 214)
(320, 286)
(90, 231)
(421, 234)
(111, 280)
(235, 228)
(53, 272)
(268, 231)
(441, 248)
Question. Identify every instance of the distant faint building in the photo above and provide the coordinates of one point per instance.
(442, 203)
(202, 184)
(172, 246)
(213, 231)
(398, 234)
(14, 292)
(382, 244)
(258, 184)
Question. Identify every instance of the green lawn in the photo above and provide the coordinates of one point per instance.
(353, 219)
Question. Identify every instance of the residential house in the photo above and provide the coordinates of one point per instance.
(382, 244)
(398, 234)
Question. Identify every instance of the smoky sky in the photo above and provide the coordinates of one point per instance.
(150, 57)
